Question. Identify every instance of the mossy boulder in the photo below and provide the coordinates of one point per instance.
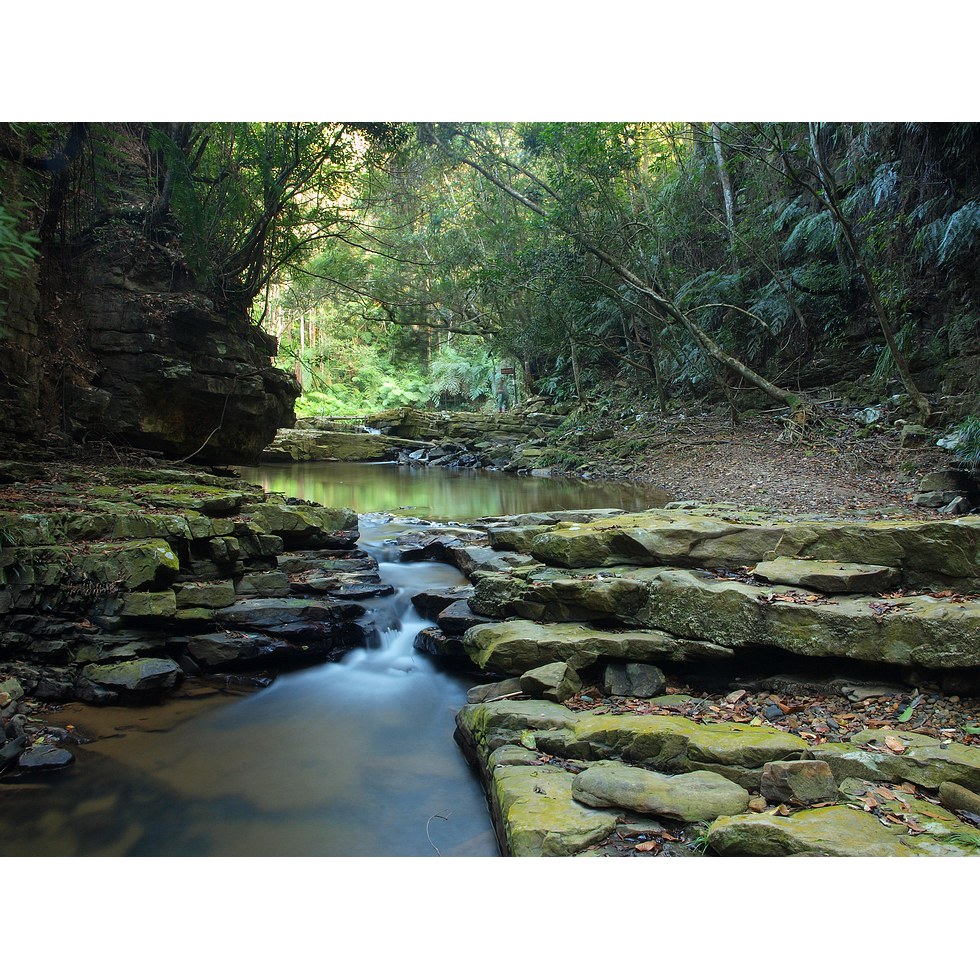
(133, 565)
(149, 674)
(687, 797)
(552, 682)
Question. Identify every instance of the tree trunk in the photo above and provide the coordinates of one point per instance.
(726, 184)
(576, 369)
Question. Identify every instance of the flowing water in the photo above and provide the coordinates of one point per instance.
(354, 758)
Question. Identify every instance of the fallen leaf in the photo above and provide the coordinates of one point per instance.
(735, 697)
(912, 825)
(647, 845)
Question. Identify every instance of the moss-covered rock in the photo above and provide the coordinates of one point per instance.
(295, 522)
(209, 595)
(928, 552)
(149, 604)
(553, 682)
(925, 761)
(539, 816)
(828, 576)
(922, 630)
(516, 646)
(834, 831)
(150, 674)
(926, 827)
(688, 797)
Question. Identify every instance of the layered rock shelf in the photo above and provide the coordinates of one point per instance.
(511, 440)
(120, 590)
(611, 603)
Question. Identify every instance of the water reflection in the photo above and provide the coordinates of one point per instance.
(443, 494)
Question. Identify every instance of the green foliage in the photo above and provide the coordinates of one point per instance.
(17, 250)
(17, 247)
(964, 443)
(460, 374)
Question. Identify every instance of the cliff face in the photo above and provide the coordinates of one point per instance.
(171, 372)
(111, 338)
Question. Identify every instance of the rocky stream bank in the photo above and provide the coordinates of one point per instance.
(699, 679)
(705, 680)
(120, 583)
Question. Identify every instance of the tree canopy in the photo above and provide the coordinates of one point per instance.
(413, 261)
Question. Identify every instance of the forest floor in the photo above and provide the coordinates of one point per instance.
(834, 467)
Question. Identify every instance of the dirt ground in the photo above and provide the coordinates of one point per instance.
(834, 468)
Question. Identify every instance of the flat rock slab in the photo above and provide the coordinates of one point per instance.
(436, 643)
(147, 674)
(927, 827)
(540, 818)
(928, 552)
(830, 577)
(833, 831)
(457, 618)
(688, 797)
(666, 743)
(921, 630)
(39, 757)
(432, 602)
(216, 650)
(925, 761)
(266, 613)
(516, 646)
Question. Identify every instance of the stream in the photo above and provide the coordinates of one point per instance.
(354, 758)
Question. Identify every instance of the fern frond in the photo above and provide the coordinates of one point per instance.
(814, 234)
(961, 231)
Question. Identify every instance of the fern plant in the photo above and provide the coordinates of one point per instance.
(17, 252)
(964, 443)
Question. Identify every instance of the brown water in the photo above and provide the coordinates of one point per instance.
(355, 758)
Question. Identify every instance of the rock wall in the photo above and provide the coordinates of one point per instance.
(110, 335)
(172, 373)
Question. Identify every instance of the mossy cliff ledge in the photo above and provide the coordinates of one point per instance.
(117, 585)
(605, 605)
